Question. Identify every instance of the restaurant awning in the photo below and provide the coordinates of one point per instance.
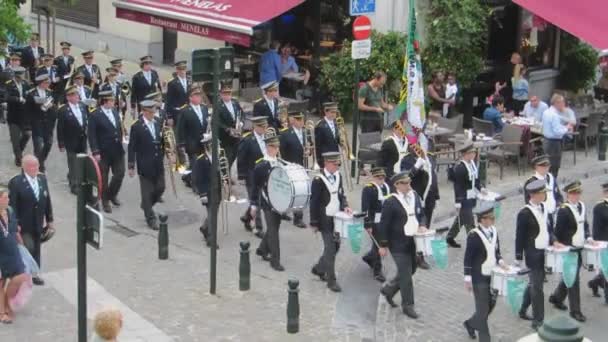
(585, 19)
(228, 20)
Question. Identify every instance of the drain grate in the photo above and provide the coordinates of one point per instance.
(122, 230)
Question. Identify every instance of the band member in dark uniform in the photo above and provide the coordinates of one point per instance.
(421, 165)
(84, 91)
(326, 199)
(160, 113)
(177, 92)
(48, 68)
(105, 138)
(293, 145)
(31, 56)
(600, 233)
(393, 149)
(112, 85)
(554, 197)
(43, 117)
(91, 72)
(327, 137)
(269, 248)
(231, 122)
(30, 198)
(571, 229)
(401, 218)
(481, 255)
(201, 181)
(251, 148)
(65, 66)
(144, 82)
(19, 125)
(147, 151)
(372, 197)
(533, 236)
(466, 187)
(72, 132)
(268, 105)
(191, 126)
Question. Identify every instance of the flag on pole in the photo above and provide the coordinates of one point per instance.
(411, 100)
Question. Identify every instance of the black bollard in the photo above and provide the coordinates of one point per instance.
(163, 238)
(244, 267)
(293, 307)
(560, 328)
(602, 142)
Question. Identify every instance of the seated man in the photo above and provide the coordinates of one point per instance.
(494, 113)
(534, 108)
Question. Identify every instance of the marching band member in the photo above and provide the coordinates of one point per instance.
(48, 68)
(117, 64)
(571, 229)
(144, 82)
(231, 122)
(14, 61)
(191, 127)
(393, 149)
(201, 181)
(146, 150)
(600, 233)
(402, 216)
(553, 195)
(466, 186)
(293, 144)
(251, 148)
(533, 235)
(327, 137)
(372, 197)
(111, 84)
(326, 199)
(424, 181)
(72, 132)
(105, 138)
(268, 105)
(31, 56)
(19, 127)
(269, 248)
(160, 113)
(64, 65)
(91, 72)
(83, 90)
(177, 92)
(43, 119)
(481, 255)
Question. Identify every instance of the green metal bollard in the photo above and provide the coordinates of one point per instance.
(293, 307)
(602, 142)
(560, 328)
(483, 169)
(244, 267)
(163, 238)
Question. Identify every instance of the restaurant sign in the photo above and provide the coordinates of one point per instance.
(183, 26)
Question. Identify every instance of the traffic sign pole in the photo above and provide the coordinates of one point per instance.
(81, 248)
(353, 169)
(214, 198)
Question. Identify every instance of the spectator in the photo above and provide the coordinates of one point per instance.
(451, 93)
(554, 130)
(436, 91)
(107, 324)
(503, 84)
(371, 103)
(603, 81)
(288, 63)
(520, 88)
(534, 108)
(494, 113)
(270, 64)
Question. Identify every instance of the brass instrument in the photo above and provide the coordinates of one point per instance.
(419, 151)
(345, 152)
(284, 114)
(309, 146)
(226, 196)
(271, 132)
(47, 104)
(170, 153)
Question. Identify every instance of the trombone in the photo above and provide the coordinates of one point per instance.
(170, 153)
(345, 152)
(310, 158)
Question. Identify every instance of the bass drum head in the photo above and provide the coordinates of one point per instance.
(280, 189)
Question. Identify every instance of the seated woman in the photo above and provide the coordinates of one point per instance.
(12, 268)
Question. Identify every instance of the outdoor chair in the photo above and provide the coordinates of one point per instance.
(510, 149)
(483, 126)
(590, 129)
(366, 154)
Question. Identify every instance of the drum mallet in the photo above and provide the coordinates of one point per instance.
(293, 306)
(244, 267)
(163, 238)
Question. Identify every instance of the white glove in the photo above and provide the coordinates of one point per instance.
(204, 200)
(22, 100)
(419, 163)
(457, 205)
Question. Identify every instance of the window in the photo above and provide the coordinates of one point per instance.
(538, 38)
(84, 12)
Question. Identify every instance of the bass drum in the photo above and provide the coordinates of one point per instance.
(288, 187)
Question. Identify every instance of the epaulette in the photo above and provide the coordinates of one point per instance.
(87, 87)
(8, 82)
(283, 129)
(317, 177)
(369, 184)
(563, 205)
(430, 153)
(259, 160)
(92, 109)
(63, 105)
(41, 66)
(246, 134)
(200, 156)
(387, 196)
(184, 106)
(31, 90)
(318, 122)
(258, 100)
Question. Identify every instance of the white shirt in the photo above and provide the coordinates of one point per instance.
(89, 69)
(230, 107)
(148, 76)
(270, 104)
(535, 112)
(298, 132)
(261, 143)
(184, 83)
(109, 114)
(330, 176)
(199, 113)
(65, 60)
(41, 92)
(332, 126)
(35, 52)
(34, 184)
(150, 124)
(76, 111)
(83, 94)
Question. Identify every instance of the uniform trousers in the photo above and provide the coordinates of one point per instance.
(117, 165)
(373, 256)
(534, 295)
(465, 218)
(19, 138)
(601, 281)
(151, 191)
(483, 308)
(573, 293)
(258, 218)
(42, 136)
(270, 242)
(553, 148)
(402, 280)
(327, 261)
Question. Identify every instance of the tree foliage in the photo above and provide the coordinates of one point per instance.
(12, 25)
(577, 64)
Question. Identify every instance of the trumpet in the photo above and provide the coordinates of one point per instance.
(171, 153)
(309, 145)
(47, 104)
(346, 151)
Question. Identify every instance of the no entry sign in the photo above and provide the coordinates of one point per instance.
(362, 27)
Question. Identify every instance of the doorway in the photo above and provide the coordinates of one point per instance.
(169, 45)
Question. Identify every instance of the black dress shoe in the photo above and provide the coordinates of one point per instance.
(153, 224)
(247, 223)
(260, 252)
(524, 315)
(558, 305)
(578, 316)
(259, 233)
(469, 330)
(300, 224)
(380, 277)
(107, 207)
(452, 243)
(319, 274)
(117, 203)
(410, 312)
(277, 267)
(368, 261)
(285, 217)
(333, 285)
(204, 231)
(74, 190)
(18, 162)
(41, 168)
(422, 263)
(536, 325)
(594, 288)
(37, 281)
(388, 297)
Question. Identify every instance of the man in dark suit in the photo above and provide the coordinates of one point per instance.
(19, 126)
(268, 105)
(31, 200)
(105, 139)
(393, 150)
(372, 198)
(144, 82)
(48, 68)
(553, 198)
(177, 92)
(72, 132)
(31, 56)
(191, 126)
(231, 122)
(201, 182)
(146, 150)
(91, 72)
(83, 90)
(600, 233)
(64, 65)
(43, 117)
(327, 137)
(293, 143)
(112, 85)
(160, 114)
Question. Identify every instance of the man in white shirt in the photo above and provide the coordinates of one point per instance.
(534, 108)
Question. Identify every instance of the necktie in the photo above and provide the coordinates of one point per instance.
(299, 134)
(184, 84)
(580, 208)
(65, 60)
(333, 129)
(152, 131)
(542, 209)
(35, 187)
(197, 109)
(77, 114)
(110, 116)
(271, 105)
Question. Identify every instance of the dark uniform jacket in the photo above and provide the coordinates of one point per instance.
(420, 178)
(88, 77)
(565, 225)
(227, 121)
(527, 229)
(259, 195)
(325, 140)
(292, 149)
(105, 139)
(70, 134)
(249, 151)
(36, 114)
(388, 156)
(392, 223)
(52, 72)
(370, 204)
(176, 97)
(261, 108)
(556, 193)
(201, 175)
(63, 69)
(17, 112)
(27, 57)
(319, 199)
(145, 151)
(600, 221)
(462, 183)
(190, 130)
(30, 212)
(140, 86)
(475, 255)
